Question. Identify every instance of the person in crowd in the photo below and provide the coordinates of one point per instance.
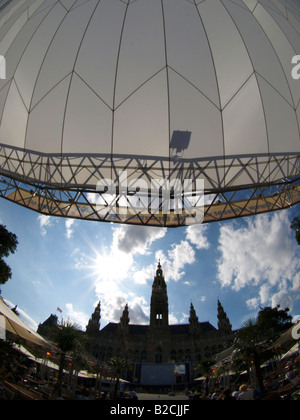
(246, 393)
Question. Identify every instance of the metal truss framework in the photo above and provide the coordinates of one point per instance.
(65, 186)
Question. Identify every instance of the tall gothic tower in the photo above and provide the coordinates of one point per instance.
(159, 331)
(123, 331)
(159, 314)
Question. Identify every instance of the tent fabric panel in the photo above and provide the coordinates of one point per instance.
(88, 121)
(148, 136)
(185, 33)
(63, 49)
(46, 119)
(282, 46)
(233, 65)
(244, 124)
(16, 326)
(142, 48)
(32, 59)
(263, 56)
(14, 118)
(100, 47)
(191, 111)
(283, 132)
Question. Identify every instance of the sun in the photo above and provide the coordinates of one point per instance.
(110, 265)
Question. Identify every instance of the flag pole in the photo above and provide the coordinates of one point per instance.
(58, 310)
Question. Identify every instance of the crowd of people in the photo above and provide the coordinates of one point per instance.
(21, 377)
(282, 383)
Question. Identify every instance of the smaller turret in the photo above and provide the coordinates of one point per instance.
(93, 326)
(194, 324)
(224, 325)
(124, 320)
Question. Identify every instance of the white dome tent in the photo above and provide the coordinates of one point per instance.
(108, 106)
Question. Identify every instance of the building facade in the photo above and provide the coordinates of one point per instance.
(158, 343)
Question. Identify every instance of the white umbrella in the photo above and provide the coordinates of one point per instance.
(292, 352)
(16, 326)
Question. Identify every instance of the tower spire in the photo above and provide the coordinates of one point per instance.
(193, 320)
(124, 320)
(224, 325)
(159, 316)
(123, 329)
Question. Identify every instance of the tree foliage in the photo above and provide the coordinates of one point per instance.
(296, 227)
(117, 365)
(253, 340)
(8, 245)
(67, 337)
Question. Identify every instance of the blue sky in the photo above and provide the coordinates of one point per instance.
(246, 263)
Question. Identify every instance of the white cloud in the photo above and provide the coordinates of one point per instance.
(44, 221)
(115, 266)
(173, 320)
(181, 254)
(139, 310)
(79, 318)
(196, 235)
(114, 269)
(112, 308)
(69, 230)
(173, 263)
(252, 303)
(145, 274)
(262, 254)
(136, 239)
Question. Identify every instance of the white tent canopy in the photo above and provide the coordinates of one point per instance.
(17, 327)
(161, 89)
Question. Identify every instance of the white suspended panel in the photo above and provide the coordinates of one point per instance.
(248, 133)
(232, 62)
(148, 136)
(186, 34)
(34, 55)
(87, 122)
(62, 52)
(191, 111)
(102, 35)
(159, 88)
(46, 120)
(142, 50)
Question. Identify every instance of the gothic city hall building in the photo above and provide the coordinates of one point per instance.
(160, 353)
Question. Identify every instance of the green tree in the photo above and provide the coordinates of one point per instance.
(117, 365)
(8, 245)
(296, 227)
(204, 367)
(253, 340)
(273, 321)
(250, 348)
(67, 337)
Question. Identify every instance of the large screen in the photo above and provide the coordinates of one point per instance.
(157, 374)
